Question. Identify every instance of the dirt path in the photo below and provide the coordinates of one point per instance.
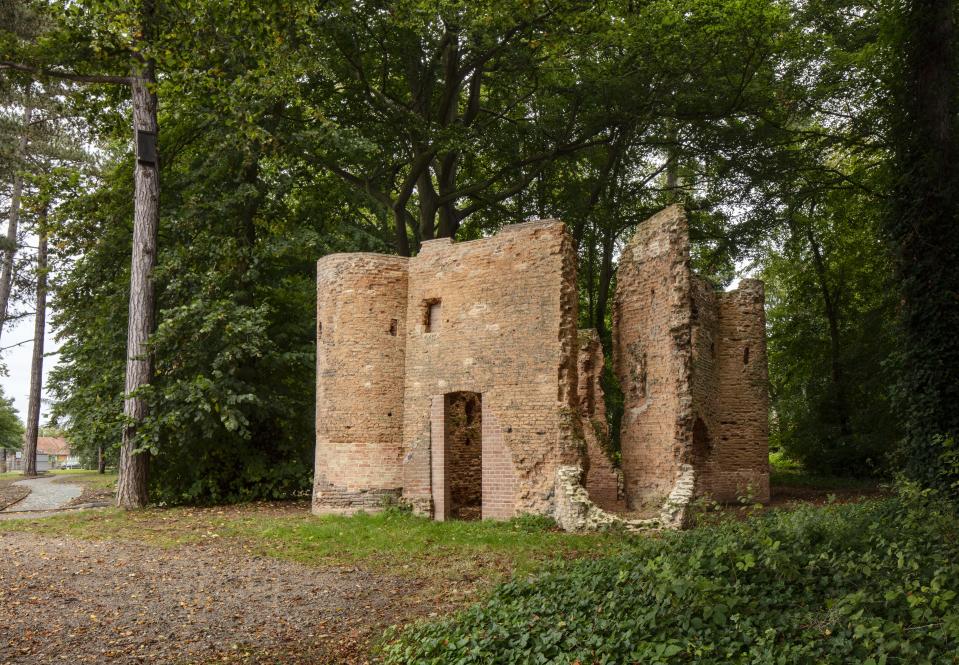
(45, 494)
(73, 601)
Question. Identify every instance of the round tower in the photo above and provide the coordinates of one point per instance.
(360, 356)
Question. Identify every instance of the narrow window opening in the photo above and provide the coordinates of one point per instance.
(393, 324)
(319, 329)
(642, 377)
(746, 356)
(431, 316)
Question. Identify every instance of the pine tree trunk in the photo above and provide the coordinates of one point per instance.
(101, 460)
(3, 460)
(36, 368)
(13, 220)
(132, 489)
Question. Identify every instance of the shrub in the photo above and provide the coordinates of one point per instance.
(864, 583)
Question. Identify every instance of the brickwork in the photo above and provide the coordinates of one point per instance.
(507, 306)
(603, 480)
(651, 340)
(360, 375)
(692, 364)
(741, 455)
(463, 443)
(401, 343)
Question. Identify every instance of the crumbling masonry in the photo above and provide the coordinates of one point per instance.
(457, 382)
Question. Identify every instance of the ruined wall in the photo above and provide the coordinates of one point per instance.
(603, 480)
(741, 452)
(730, 394)
(505, 328)
(652, 314)
(360, 350)
(692, 364)
(705, 381)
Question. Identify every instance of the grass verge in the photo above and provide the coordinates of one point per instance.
(392, 541)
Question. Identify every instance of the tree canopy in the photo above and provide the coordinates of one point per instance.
(792, 132)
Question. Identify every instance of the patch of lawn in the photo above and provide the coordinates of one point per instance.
(92, 479)
(393, 541)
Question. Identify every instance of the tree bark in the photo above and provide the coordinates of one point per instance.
(832, 318)
(132, 488)
(36, 367)
(924, 228)
(13, 220)
(3, 460)
(605, 279)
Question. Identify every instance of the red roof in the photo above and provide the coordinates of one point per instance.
(52, 445)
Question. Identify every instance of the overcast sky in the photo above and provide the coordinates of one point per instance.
(17, 382)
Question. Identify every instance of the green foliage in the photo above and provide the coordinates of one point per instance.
(867, 583)
(11, 429)
(922, 223)
(831, 395)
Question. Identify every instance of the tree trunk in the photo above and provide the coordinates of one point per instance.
(101, 460)
(832, 317)
(400, 217)
(924, 228)
(605, 279)
(36, 367)
(132, 488)
(3, 460)
(6, 272)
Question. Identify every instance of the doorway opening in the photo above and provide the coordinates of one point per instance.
(463, 454)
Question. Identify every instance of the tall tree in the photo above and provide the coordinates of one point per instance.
(132, 487)
(924, 227)
(39, 332)
(13, 216)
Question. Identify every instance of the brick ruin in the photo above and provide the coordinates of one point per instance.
(456, 382)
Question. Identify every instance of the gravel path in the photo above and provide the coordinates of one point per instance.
(72, 601)
(45, 494)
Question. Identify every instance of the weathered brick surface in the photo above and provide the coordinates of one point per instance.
(740, 461)
(405, 347)
(651, 340)
(360, 376)
(603, 480)
(506, 330)
(681, 350)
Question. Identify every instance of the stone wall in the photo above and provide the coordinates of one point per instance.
(506, 330)
(741, 454)
(360, 351)
(466, 359)
(651, 352)
(603, 480)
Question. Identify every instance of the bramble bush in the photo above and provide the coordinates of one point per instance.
(871, 583)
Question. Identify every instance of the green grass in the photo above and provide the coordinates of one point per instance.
(393, 541)
(89, 478)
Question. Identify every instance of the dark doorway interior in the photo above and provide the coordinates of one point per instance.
(464, 454)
